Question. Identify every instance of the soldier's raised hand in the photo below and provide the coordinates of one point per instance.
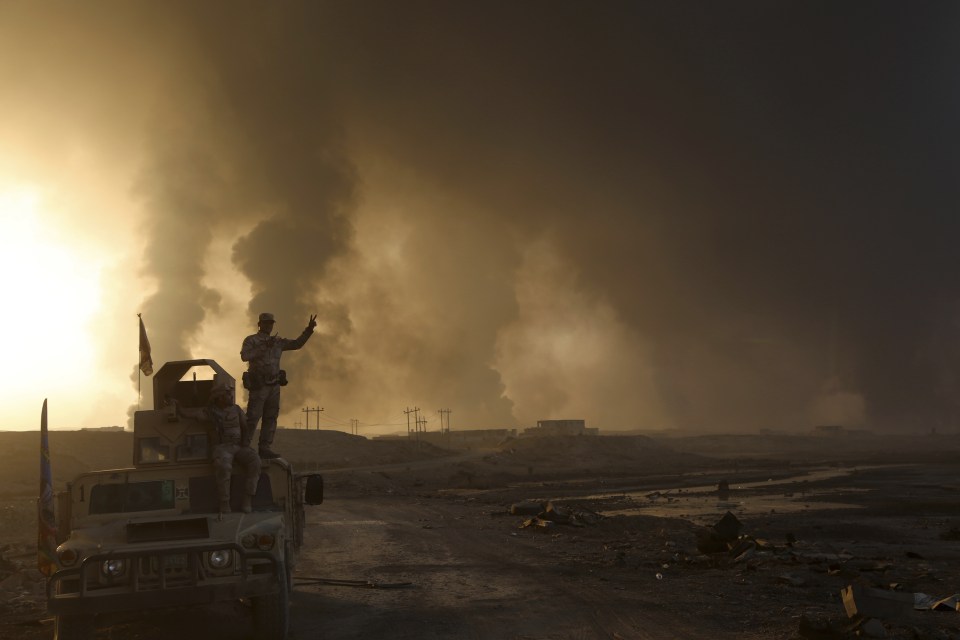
(313, 322)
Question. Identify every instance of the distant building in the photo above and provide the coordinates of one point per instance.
(547, 428)
(828, 430)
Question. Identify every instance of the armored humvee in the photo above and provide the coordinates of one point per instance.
(152, 536)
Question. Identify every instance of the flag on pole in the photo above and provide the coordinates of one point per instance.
(46, 520)
(146, 362)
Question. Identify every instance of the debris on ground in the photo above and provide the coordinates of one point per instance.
(22, 587)
(923, 602)
(866, 602)
(721, 536)
(551, 514)
(526, 508)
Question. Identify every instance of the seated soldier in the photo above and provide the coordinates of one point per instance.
(230, 422)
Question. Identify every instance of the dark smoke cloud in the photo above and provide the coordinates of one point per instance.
(735, 179)
(706, 215)
(278, 153)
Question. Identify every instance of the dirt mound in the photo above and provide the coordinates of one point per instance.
(76, 452)
(311, 450)
(71, 453)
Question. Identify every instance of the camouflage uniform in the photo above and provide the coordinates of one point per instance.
(262, 353)
(230, 423)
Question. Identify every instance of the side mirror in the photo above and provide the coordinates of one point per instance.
(314, 490)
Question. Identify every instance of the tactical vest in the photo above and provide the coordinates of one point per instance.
(229, 423)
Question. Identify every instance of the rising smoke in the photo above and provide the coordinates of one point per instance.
(643, 214)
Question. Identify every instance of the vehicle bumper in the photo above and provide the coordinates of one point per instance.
(157, 579)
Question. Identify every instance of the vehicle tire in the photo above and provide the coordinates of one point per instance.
(76, 627)
(271, 614)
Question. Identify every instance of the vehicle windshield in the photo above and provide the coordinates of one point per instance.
(151, 495)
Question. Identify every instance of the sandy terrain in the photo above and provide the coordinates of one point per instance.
(434, 530)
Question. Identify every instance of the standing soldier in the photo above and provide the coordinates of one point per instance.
(264, 377)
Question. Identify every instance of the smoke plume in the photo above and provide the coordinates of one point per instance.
(698, 215)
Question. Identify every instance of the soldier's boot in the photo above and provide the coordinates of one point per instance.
(266, 453)
(224, 506)
(247, 505)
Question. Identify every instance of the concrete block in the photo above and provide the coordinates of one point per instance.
(876, 603)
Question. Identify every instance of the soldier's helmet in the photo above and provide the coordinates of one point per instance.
(221, 389)
(265, 318)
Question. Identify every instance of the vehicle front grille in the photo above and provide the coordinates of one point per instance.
(161, 578)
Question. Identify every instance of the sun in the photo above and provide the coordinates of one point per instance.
(48, 297)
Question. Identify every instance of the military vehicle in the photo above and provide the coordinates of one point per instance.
(152, 536)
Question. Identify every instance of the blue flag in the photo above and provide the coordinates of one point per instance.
(46, 520)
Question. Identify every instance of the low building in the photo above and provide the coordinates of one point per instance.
(830, 430)
(547, 428)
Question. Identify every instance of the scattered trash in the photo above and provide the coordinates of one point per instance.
(719, 537)
(550, 514)
(876, 603)
(923, 602)
(526, 508)
(728, 528)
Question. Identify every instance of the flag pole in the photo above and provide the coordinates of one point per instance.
(139, 371)
(46, 517)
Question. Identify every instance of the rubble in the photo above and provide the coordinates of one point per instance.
(550, 514)
(923, 602)
(526, 508)
(22, 588)
(866, 602)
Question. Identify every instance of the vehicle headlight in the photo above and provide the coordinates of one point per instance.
(220, 558)
(249, 541)
(68, 557)
(266, 541)
(113, 567)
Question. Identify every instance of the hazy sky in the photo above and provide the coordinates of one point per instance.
(699, 215)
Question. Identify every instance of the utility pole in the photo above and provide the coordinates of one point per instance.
(421, 426)
(414, 411)
(354, 426)
(308, 411)
(441, 412)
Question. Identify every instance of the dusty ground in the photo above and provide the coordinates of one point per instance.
(882, 513)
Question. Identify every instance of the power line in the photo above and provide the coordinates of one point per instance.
(308, 411)
(416, 412)
(441, 412)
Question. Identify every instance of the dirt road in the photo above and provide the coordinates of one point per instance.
(475, 573)
(451, 562)
(471, 575)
